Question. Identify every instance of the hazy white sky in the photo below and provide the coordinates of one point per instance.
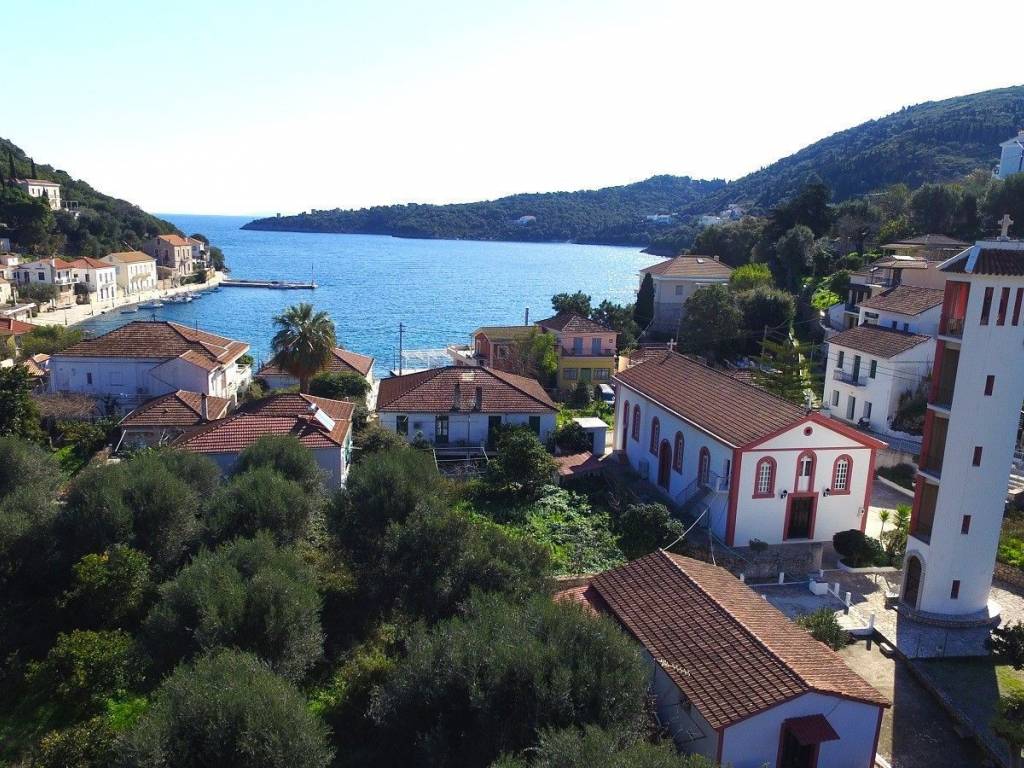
(218, 106)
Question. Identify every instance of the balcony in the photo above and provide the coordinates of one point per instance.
(848, 378)
(586, 352)
(952, 326)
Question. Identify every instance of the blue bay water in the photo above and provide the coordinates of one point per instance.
(440, 289)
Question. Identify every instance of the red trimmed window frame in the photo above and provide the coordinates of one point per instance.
(678, 444)
(655, 436)
(799, 465)
(836, 491)
(636, 422)
(626, 413)
(766, 461)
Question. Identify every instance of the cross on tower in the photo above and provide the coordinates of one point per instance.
(671, 345)
(1005, 223)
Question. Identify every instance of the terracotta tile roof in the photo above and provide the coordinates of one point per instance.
(730, 652)
(433, 391)
(730, 410)
(342, 360)
(129, 257)
(928, 241)
(505, 332)
(569, 322)
(287, 414)
(876, 340)
(42, 182)
(579, 464)
(160, 340)
(174, 240)
(1004, 262)
(898, 262)
(86, 262)
(707, 267)
(36, 365)
(905, 299)
(176, 409)
(11, 327)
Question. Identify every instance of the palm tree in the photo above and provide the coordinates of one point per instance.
(303, 342)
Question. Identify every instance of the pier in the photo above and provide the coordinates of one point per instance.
(278, 284)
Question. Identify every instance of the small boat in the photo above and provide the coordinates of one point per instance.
(151, 305)
(180, 299)
(129, 310)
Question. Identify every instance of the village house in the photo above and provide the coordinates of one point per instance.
(676, 280)
(6, 291)
(732, 678)
(173, 253)
(135, 271)
(48, 190)
(585, 350)
(98, 277)
(8, 261)
(12, 328)
(492, 345)
(167, 417)
(56, 272)
(341, 361)
(1011, 157)
(324, 426)
(199, 250)
(759, 467)
(142, 359)
(458, 405)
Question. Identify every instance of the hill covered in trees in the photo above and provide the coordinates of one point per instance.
(933, 142)
(104, 224)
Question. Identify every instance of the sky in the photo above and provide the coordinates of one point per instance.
(225, 107)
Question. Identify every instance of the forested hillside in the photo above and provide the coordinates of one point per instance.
(104, 224)
(934, 142)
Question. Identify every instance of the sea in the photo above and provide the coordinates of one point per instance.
(438, 290)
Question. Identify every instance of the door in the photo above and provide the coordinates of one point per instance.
(493, 422)
(912, 583)
(800, 518)
(441, 430)
(797, 755)
(664, 464)
(585, 375)
(856, 368)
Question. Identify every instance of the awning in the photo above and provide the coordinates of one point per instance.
(811, 729)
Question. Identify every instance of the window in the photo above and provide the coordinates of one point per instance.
(595, 346)
(535, 425)
(906, 327)
(867, 410)
(840, 358)
(851, 407)
(441, 430)
(1016, 305)
(636, 422)
(805, 468)
(764, 478)
(655, 435)
(990, 383)
(88, 378)
(677, 453)
(986, 305)
(976, 460)
(893, 325)
(602, 374)
(577, 345)
(569, 374)
(835, 397)
(954, 591)
(679, 290)
(873, 369)
(1004, 303)
(841, 471)
(402, 425)
(965, 525)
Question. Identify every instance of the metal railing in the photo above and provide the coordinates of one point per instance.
(952, 326)
(586, 352)
(848, 378)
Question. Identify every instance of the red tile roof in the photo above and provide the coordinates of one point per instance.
(160, 340)
(287, 414)
(570, 322)
(176, 409)
(928, 241)
(87, 262)
(342, 360)
(905, 299)
(730, 410)
(730, 652)
(877, 340)
(1004, 262)
(11, 327)
(707, 267)
(504, 332)
(433, 391)
(174, 240)
(129, 257)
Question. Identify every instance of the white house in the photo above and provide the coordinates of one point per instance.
(869, 368)
(48, 190)
(173, 253)
(324, 426)
(56, 272)
(1011, 156)
(969, 435)
(762, 467)
(731, 677)
(904, 308)
(459, 405)
(135, 271)
(341, 361)
(167, 417)
(143, 359)
(676, 280)
(98, 277)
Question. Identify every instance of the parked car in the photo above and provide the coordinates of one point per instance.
(607, 393)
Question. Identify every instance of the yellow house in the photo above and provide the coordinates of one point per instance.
(586, 350)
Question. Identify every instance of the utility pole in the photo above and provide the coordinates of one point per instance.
(401, 334)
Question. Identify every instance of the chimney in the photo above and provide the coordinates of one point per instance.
(204, 407)
(526, 317)
(478, 398)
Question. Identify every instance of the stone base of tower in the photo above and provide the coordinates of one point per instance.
(922, 635)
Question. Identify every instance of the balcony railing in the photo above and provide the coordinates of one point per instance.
(952, 326)
(587, 352)
(944, 395)
(848, 378)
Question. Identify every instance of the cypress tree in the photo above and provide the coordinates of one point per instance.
(643, 311)
(10, 164)
(33, 168)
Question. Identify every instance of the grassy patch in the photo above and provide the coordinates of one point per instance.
(598, 408)
(1011, 540)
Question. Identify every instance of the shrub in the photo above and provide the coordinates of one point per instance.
(374, 438)
(1007, 642)
(261, 499)
(642, 528)
(570, 437)
(901, 474)
(824, 627)
(593, 747)
(287, 456)
(581, 395)
(857, 549)
(89, 744)
(522, 465)
(109, 589)
(750, 276)
(579, 538)
(226, 709)
(339, 386)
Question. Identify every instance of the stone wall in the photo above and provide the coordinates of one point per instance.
(793, 559)
(1009, 574)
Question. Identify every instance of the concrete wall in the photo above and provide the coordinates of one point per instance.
(671, 294)
(754, 742)
(464, 428)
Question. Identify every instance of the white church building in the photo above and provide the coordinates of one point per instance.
(763, 467)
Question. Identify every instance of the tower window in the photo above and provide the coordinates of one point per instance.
(954, 591)
(990, 384)
(965, 525)
(1004, 303)
(986, 305)
(1016, 305)
(976, 461)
